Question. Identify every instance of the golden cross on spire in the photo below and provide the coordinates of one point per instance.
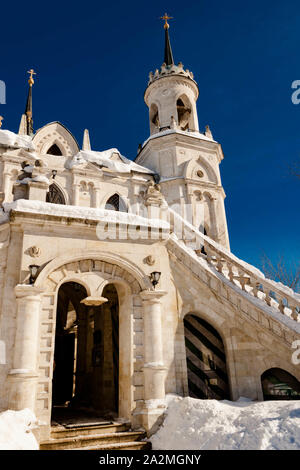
(166, 18)
(31, 73)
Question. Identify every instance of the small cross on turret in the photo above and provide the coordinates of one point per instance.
(31, 73)
(166, 18)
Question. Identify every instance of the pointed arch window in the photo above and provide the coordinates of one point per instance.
(54, 150)
(116, 203)
(55, 195)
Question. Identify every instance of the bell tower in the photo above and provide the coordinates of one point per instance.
(185, 160)
(171, 94)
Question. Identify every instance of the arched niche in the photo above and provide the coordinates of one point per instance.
(54, 149)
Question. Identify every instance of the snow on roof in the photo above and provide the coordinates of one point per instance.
(196, 134)
(124, 165)
(10, 139)
(86, 213)
(193, 424)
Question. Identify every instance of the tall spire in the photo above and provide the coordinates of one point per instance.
(168, 59)
(28, 109)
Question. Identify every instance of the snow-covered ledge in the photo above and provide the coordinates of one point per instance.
(85, 213)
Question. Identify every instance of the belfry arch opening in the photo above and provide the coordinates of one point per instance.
(86, 356)
(184, 113)
(206, 360)
(154, 119)
(278, 384)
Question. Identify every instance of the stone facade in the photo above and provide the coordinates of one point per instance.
(54, 210)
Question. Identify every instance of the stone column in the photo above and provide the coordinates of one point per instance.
(75, 194)
(154, 369)
(6, 187)
(24, 374)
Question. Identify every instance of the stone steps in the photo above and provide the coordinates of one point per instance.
(138, 445)
(113, 436)
(60, 432)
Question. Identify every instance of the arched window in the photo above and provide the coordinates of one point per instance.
(116, 203)
(184, 113)
(54, 150)
(205, 359)
(277, 384)
(55, 195)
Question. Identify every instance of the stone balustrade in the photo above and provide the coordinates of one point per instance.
(242, 275)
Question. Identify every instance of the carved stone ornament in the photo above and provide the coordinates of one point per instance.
(34, 251)
(149, 260)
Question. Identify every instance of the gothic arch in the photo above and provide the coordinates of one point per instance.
(193, 166)
(57, 265)
(117, 202)
(93, 270)
(55, 194)
(55, 133)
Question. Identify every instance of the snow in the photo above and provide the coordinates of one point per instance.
(10, 139)
(15, 430)
(104, 159)
(198, 135)
(38, 178)
(193, 424)
(86, 213)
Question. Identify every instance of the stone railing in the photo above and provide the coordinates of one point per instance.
(240, 274)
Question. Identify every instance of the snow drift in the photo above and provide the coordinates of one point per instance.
(15, 430)
(192, 424)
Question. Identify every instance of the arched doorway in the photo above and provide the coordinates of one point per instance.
(277, 384)
(85, 383)
(206, 360)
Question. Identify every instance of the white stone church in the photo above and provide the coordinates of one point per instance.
(117, 283)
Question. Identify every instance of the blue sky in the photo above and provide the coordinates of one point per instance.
(93, 59)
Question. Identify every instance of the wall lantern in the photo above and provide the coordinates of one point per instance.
(54, 173)
(33, 272)
(154, 278)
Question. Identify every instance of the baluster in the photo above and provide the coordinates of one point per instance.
(295, 314)
(219, 265)
(267, 297)
(230, 272)
(256, 288)
(208, 253)
(281, 305)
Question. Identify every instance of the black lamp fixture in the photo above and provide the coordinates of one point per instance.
(54, 173)
(33, 272)
(154, 278)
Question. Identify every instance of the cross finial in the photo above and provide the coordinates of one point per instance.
(31, 73)
(1, 119)
(166, 18)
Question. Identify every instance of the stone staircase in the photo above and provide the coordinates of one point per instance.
(115, 436)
